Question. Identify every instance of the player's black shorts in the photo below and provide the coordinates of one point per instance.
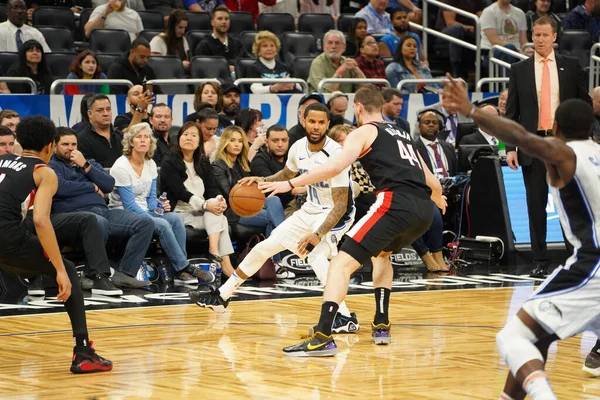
(394, 221)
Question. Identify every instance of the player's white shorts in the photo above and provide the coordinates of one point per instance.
(568, 302)
(300, 224)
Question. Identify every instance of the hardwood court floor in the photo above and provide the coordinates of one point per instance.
(443, 348)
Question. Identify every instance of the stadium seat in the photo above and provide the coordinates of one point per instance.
(148, 34)
(240, 22)
(276, 23)
(241, 65)
(59, 39)
(59, 63)
(576, 44)
(301, 67)
(113, 41)
(54, 16)
(152, 20)
(298, 44)
(194, 38)
(7, 59)
(169, 67)
(344, 22)
(84, 17)
(198, 21)
(387, 60)
(203, 67)
(318, 24)
(105, 60)
(247, 39)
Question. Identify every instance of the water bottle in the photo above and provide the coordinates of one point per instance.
(160, 210)
(501, 149)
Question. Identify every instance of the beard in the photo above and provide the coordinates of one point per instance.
(400, 28)
(231, 110)
(313, 141)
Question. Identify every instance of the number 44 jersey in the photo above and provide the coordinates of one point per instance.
(392, 162)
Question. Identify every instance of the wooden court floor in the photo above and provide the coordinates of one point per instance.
(443, 348)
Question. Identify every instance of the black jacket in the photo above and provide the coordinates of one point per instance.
(123, 120)
(448, 151)
(474, 138)
(43, 80)
(209, 46)
(122, 69)
(226, 178)
(96, 147)
(263, 164)
(296, 133)
(172, 178)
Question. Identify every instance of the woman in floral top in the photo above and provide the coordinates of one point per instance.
(406, 65)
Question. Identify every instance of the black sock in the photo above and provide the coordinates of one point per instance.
(382, 304)
(328, 311)
(596, 348)
(82, 340)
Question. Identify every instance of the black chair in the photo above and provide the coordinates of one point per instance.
(169, 67)
(106, 60)
(7, 59)
(114, 41)
(194, 38)
(276, 23)
(3, 12)
(318, 24)
(203, 67)
(84, 17)
(198, 21)
(247, 39)
(59, 39)
(576, 44)
(59, 63)
(54, 16)
(240, 22)
(152, 20)
(301, 67)
(241, 66)
(298, 44)
(344, 22)
(387, 60)
(148, 34)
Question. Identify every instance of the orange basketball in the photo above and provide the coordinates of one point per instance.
(246, 201)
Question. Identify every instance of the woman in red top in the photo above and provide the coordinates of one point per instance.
(368, 61)
(250, 6)
(85, 66)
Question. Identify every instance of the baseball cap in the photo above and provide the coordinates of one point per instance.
(311, 96)
(230, 87)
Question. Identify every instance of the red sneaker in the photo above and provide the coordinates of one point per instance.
(86, 360)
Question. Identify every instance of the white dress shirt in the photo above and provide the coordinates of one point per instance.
(8, 36)
(440, 149)
(554, 82)
(490, 139)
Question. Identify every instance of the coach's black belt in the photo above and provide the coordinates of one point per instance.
(545, 133)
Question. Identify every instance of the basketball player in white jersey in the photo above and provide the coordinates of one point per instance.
(568, 302)
(313, 231)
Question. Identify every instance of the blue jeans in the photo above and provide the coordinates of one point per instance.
(136, 229)
(433, 239)
(171, 234)
(270, 217)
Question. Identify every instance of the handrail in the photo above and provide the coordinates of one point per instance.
(246, 81)
(594, 62)
(459, 42)
(186, 81)
(372, 81)
(508, 51)
(483, 81)
(21, 79)
(429, 80)
(95, 82)
(496, 62)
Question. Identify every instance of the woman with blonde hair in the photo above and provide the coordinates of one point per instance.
(135, 176)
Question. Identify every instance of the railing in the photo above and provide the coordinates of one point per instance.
(594, 67)
(372, 81)
(484, 81)
(180, 82)
(248, 81)
(473, 47)
(95, 82)
(495, 63)
(430, 80)
(21, 79)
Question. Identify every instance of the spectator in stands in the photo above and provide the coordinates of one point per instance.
(161, 119)
(82, 185)
(135, 176)
(11, 119)
(173, 42)
(207, 122)
(449, 122)
(132, 66)
(231, 101)
(437, 154)
(584, 17)
(389, 43)
(250, 6)
(331, 7)
(83, 111)
(85, 66)
(7, 141)
(392, 106)
(596, 105)
(165, 7)
(15, 32)
(505, 25)
(202, 5)
(406, 65)
(266, 47)
(3, 86)
(429, 246)
(137, 5)
(74, 5)
(187, 178)
(502, 101)
(338, 103)
(356, 33)
(480, 136)
(209, 93)
(219, 43)
(284, 6)
(368, 61)
(138, 102)
(331, 64)
(115, 15)
(250, 120)
(297, 132)
(378, 21)
(541, 8)
(100, 140)
(31, 64)
(459, 27)
(231, 165)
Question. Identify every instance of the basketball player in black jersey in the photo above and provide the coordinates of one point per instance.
(568, 302)
(26, 181)
(402, 212)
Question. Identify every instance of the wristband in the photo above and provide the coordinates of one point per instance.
(292, 186)
(470, 114)
(254, 148)
(103, 17)
(86, 165)
(317, 235)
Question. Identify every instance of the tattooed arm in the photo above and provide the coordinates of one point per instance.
(340, 201)
(284, 175)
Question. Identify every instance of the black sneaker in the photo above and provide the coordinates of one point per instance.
(185, 278)
(318, 345)
(344, 324)
(210, 300)
(103, 285)
(86, 360)
(200, 274)
(36, 288)
(592, 364)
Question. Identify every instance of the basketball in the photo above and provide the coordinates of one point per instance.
(246, 201)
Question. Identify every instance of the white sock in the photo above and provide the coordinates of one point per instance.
(228, 288)
(343, 309)
(537, 386)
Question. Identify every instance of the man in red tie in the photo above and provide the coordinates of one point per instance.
(438, 154)
(537, 86)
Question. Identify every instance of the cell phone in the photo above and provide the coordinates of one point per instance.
(148, 89)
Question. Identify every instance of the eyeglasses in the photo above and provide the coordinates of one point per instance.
(370, 44)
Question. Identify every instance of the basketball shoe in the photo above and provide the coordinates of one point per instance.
(210, 300)
(341, 324)
(318, 345)
(592, 363)
(381, 333)
(86, 360)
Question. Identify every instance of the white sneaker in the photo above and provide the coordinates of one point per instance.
(282, 272)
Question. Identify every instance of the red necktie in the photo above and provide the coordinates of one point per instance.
(438, 159)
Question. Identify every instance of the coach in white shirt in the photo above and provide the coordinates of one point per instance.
(482, 137)
(14, 32)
